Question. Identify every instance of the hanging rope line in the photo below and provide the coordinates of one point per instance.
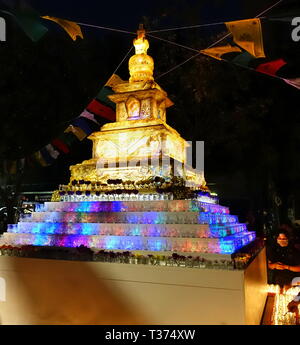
(174, 43)
(178, 28)
(172, 29)
(213, 44)
(114, 72)
(219, 40)
(190, 58)
(185, 27)
(177, 66)
(268, 9)
(259, 15)
(106, 28)
(124, 58)
(210, 24)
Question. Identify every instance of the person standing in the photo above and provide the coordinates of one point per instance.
(283, 260)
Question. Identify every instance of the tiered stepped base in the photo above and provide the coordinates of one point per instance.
(183, 226)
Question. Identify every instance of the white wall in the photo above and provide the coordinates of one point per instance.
(67, 292)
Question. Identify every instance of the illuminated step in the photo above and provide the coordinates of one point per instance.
(239, 239)
(222, 230)
(132, 217)
(134, 206)
(157, 230)
(226, 245)
(117, 217)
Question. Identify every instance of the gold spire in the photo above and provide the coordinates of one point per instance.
(140, 43)
(141, 65)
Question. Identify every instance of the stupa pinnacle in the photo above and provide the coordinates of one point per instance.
(141, 65)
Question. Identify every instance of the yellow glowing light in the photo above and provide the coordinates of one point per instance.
(129, 149)
(281, 315)
(141, 65)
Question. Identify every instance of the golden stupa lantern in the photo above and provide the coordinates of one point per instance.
(133, 147)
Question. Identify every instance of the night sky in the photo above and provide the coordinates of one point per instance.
(127, 14)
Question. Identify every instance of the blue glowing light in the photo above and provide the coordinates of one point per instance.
(122, 225)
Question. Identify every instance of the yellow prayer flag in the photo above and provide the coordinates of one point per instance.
(78, 132)
(71, 28)
(217, 52)
(39, 158)
(247, 34)
(114, 80)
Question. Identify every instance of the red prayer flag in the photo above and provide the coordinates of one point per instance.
(60, 145)
(99, 109)
(272, 67)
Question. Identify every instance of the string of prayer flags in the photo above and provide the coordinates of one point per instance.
(263, 45)
(98, 112)
(101, 105)
(244, 59)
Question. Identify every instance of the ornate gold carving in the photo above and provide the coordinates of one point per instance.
(133, 107)
(121, 111)
(161, 110)
(145, 108)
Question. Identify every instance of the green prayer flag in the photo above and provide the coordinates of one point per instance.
(68, 138)
(102, 96)
(243, 59)
(29, 21)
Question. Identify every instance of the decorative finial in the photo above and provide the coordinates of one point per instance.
(141, 31)
(140, 43)
(141, 65)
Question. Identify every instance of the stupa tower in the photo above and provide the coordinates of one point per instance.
(139, 145)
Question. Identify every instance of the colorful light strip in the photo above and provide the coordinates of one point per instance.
(222, 246)
(133, 206)
(133, 217)
(172, 225)
(148, 230)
